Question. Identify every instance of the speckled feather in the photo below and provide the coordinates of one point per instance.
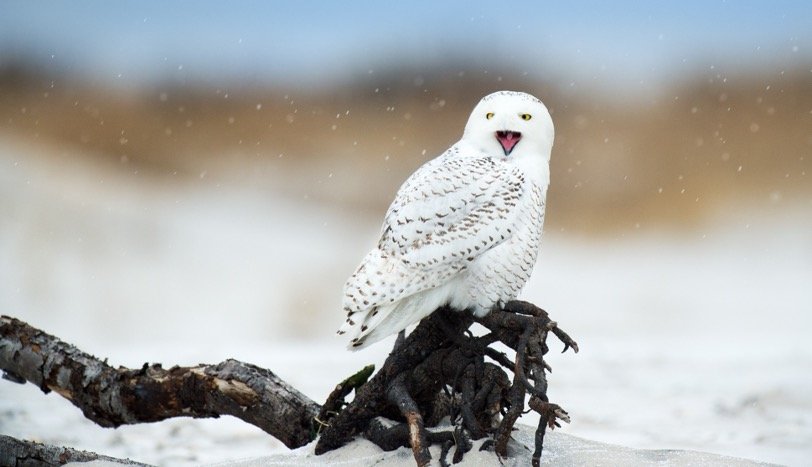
(464, 230)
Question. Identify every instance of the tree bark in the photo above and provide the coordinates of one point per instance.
(112, 397)
(17, 453)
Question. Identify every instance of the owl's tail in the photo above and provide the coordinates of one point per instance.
(371, 325)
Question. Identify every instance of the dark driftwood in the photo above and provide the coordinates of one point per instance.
(16, 453)
(440, 370)
(113, 397)
(371, 399)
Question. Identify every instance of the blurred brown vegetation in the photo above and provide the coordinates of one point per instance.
(618, 163)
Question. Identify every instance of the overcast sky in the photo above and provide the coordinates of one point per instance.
(618, 43)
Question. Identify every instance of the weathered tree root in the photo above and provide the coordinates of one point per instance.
(437, 363)
(371, 399)
(439, 371)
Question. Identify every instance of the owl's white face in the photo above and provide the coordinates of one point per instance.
(511, 125)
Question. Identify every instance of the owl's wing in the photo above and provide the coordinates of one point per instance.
(452, 211)
(447, 214)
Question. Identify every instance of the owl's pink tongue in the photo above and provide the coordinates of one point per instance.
(508, 140)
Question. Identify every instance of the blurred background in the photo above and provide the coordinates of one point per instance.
(191, 181)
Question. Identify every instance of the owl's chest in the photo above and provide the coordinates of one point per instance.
(526, 239)
(510, 263)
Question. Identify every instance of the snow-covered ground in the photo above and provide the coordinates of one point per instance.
(559, 449)
(697, 340)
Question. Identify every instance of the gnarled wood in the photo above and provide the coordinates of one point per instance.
(370, 400)
(438, 357)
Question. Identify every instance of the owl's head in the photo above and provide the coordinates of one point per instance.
(511, 125)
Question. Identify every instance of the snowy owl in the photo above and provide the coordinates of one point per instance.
(464, 230)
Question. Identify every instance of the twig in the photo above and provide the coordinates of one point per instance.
(335, 400)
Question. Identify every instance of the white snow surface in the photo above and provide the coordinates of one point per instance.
(696, 341)
(559, 449)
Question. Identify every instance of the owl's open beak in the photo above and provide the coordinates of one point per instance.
(508, 140)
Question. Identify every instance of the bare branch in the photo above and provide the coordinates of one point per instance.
(113, 397)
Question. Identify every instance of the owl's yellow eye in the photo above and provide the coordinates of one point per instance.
(526, 117)
(489, 115)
